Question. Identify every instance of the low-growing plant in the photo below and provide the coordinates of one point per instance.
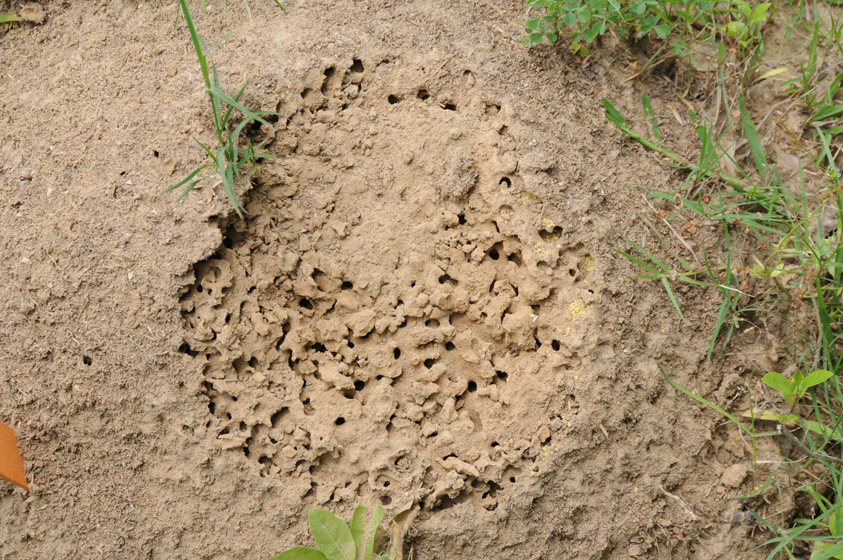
(362, 540)
(794, 389)
(229, 158)
(676, 25)
(7, 18)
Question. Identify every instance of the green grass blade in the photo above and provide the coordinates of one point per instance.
(755, 147)
(236, 98)
(709, 404)
(8, 18)
(656, 273)
(197, 43)
(675, 303)
(825, 323)
(193, 174)
(648, 110)
(217, 92)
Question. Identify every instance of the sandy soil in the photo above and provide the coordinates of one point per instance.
(422, 303)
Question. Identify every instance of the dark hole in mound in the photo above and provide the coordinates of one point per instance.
(472, 386)
(396, 353)
(392, 100)
(555, 345)
(422, 94)
(501, 374)
(356, 66)
(346, 285)
(87, 360)
(506, 181)
(339, 421)
(551, 235)
(428, 363)
(186, 349)
(304, 302)
(449, 346)
(359, 385)
(450, 107)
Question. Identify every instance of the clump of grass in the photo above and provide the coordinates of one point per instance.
(229, 159)
(801, 230)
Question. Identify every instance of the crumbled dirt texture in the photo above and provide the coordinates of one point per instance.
(422, 302)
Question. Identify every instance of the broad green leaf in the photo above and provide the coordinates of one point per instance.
(663, 30)
(300, 553)
(817, 377)
(759, 13)
(332, 535)
(358, 529)
(735, 28)
(594, 31)
(826, 551)
(778, 382)
(377, 517)
(6, 18)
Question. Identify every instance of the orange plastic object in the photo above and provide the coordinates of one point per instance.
(11, 463)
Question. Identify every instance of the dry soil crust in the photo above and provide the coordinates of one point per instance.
(422, 303)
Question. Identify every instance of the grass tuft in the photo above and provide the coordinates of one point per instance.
(229, 159)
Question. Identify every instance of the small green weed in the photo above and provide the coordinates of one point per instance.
(794, 389)
(361, 541)
(6, 18)
(228, 157)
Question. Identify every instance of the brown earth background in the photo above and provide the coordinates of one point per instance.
(422, 303)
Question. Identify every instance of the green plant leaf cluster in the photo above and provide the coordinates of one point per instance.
(337, 541)
(794, 389)
(675, 23)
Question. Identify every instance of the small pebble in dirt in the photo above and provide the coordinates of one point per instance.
(733, 476)
(33, 13)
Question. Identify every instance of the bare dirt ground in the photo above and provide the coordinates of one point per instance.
(421, 304)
